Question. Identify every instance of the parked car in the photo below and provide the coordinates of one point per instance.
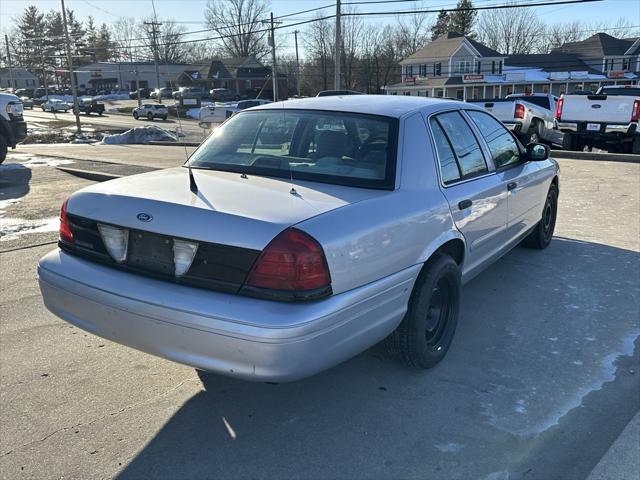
(27, 102)
(332, 93)
(13, 128)
(223, 95)
(55, 105)
(189, 92)
(151, 111)
(608, 120)
(160, 93)
(142, 92)
(89, 106)
(306, 232)
(529, 116)
(24, 92)
(219, 112)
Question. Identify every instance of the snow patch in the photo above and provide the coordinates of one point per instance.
(140, 135)
(11, 228)
(449, 447)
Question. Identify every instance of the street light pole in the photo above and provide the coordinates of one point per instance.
(11, 77)
(274, 72)
(74, 88)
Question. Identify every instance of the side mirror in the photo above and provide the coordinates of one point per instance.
(537, 152)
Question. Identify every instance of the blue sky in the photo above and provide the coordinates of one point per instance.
(190, 11)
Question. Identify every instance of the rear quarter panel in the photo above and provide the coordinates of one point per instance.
(375, 238)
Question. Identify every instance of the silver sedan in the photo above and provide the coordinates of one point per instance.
(303, 233)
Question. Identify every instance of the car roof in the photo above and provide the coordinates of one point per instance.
(386, 105)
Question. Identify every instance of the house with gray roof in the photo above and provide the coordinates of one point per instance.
(17, 77)
(457, 66)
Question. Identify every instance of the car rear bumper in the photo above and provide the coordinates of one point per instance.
(605, 128)
(253, 339)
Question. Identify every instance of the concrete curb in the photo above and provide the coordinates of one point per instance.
(174, 144)
(89, 174)
(607, 157)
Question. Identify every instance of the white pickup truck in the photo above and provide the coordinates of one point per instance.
(607, 119)
(528, 116)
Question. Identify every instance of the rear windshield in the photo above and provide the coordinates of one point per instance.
(540, 101)
(633, 92)
(341, 148)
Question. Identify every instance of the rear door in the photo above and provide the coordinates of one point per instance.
(476, 197)
(524, 181)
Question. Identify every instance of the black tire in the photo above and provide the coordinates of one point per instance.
(426, 332)
(164, 118)
(150, 117)
(533, 134)
(100, 114)
(635, 147)
(135, 115)
(43, 109)
(3, 148)
(540, 237)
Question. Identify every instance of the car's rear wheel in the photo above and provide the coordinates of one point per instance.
(541, 235)
(3, 149)
(164, 118)
(149, 116)
(135, 115)
(533, 134)
(426, 332)
(635, 146)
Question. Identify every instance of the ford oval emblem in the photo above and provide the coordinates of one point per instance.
(596, 106)
(144, 217)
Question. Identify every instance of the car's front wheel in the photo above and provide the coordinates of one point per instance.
(426, 332)
(541, 236)
(135, 115)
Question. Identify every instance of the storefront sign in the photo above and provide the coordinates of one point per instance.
(410, 79)
(472, 78)
(616, 74)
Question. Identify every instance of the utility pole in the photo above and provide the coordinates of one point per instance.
(154, 33)
(11, 77)
(74, 88)
(295, 33)
(274, 71)
(337, 47)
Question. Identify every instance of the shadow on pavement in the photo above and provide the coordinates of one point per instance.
(538, 333)
(14, 181)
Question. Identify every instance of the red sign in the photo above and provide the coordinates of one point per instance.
(472, 78)
(616, 74)
(409, 79)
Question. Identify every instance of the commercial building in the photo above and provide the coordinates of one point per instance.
(457, 66)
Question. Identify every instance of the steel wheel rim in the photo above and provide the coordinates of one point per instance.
(438, 314)
(548, 218)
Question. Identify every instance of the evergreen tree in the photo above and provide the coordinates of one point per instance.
(30, 28)
(461, 21)
(441, 26)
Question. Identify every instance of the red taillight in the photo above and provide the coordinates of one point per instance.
(66, 235)
(635, 113)
(293, 261)
(519, 110)
(558, 113)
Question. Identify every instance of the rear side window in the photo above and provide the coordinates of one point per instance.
(448, 165)
(466, 148)
(503, 147)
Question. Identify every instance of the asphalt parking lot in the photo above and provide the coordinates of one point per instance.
(542, 377)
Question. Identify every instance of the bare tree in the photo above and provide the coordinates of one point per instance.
(240, 25)
(511, 30)
(412, 33)
(123, 33)
(558, 34)
(352, 30)
(319, 40)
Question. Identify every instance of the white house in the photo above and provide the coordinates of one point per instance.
(17, 77)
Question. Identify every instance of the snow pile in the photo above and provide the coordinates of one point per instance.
(140, 135)
(112, 96)
(64, 98)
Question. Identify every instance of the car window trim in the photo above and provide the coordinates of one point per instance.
(491, 170)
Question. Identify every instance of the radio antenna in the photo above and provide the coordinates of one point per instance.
(193, 186)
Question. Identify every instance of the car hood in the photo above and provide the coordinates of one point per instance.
(227, 209)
